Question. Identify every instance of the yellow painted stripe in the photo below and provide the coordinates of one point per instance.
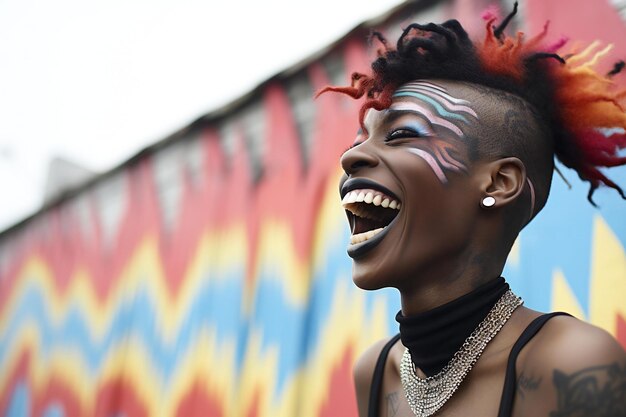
(563, 298)
(608, 277)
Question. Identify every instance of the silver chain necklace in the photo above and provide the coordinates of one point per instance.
(427, 396)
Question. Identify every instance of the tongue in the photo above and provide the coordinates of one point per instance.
(363, 225)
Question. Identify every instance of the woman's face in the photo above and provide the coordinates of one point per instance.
(408, 190)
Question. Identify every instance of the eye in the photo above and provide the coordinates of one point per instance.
(404, 133)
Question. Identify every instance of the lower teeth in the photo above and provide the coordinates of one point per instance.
(362, 237)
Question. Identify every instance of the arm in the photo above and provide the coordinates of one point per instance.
(573, 370)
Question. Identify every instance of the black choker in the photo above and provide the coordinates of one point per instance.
(434, 336)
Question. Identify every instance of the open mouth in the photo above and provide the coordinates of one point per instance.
(369, 212)
(371, 209)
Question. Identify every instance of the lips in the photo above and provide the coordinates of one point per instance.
(371, 209)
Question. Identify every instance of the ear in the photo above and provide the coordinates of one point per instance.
(506, 180)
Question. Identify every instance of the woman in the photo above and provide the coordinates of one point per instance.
(454, 157)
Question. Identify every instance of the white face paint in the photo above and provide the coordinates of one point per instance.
(433, 103)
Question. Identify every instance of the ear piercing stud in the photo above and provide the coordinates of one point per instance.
(488, 201)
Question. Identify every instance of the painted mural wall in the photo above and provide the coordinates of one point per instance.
(209, 278)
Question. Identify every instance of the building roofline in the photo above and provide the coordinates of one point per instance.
(220, 113)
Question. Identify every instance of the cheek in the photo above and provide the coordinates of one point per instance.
(431, 161)
(441, 156)
(442, 212)
(458, 211)
(440, 228)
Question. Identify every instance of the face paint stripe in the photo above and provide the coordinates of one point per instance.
(448, 105)
(447, 160)
(443, 161)
(447, 97)
(458, 164)
(443, 112)
(428, 114)
(440, 93)
(430, 160)
(450, 158)
(532, 197)
(435, 86)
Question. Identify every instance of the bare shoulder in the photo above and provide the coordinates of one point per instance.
(363, 371)
(567, 339)
(569, 343)
(572, 368)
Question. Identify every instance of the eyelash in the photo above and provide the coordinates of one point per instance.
(403, 133)
(408, 133)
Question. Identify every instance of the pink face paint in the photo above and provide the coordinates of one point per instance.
(448, 157)
(437, 90)
(431, 85)
(431, 162)
(436, 152)
(532, 197)
(413, 106)
(449, 102)
(444, 159)
(433, 103)
(441, 92)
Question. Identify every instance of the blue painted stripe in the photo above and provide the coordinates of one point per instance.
(440, 109)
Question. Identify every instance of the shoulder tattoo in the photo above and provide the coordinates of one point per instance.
(527, 383)
(393, 404)
(599, 391)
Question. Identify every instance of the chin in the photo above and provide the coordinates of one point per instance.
(368, 280)
(366, 285)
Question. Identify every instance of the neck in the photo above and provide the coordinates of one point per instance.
(434, 336)
(437, 285)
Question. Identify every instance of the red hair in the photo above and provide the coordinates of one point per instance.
(577, 102)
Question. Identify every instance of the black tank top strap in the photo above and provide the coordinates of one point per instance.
(377, 378)
(508, 391)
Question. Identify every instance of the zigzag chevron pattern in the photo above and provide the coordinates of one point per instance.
(228, 293)
(218, 313)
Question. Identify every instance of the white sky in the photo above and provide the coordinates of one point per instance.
(96, 81)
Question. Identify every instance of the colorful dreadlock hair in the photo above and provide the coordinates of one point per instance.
(581, 109)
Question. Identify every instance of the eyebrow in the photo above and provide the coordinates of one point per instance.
(438, 106)
(391, 115)
(448, 102)
(427, 115)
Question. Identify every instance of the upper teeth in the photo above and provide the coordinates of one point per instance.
(370, 197)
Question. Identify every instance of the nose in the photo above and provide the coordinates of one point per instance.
(358, 157)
